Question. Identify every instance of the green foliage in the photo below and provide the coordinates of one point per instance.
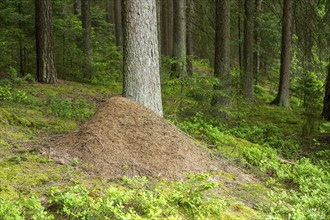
(267, 135)
(8, 94)
(25, 208)
(80, 109)
(138, 201)
(190, 196)
(309, 184)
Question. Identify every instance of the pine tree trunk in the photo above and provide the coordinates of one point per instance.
(118, 23)
(164, 27)
(282, 98)
(109, 11)
(222, 53)
(141, 55)
(179, 38)
(46, 71)
(76, 6)
(248, 49)
(240, 31)
(326, 100)
(257, 39)
(189, 37)
(87, 36)
(170, 30)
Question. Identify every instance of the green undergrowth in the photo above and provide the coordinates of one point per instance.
(299, 189)
(259, 138)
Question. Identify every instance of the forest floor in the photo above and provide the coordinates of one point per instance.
(52, 141)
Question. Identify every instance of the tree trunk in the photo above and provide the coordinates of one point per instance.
(164, 27)
(159, 30)
(222, 53)
(240, 32)
(118, 24)
(282, 98)
(189, 38)
(248, 49)
(170, 24)
(109, 11)
(76, 6)
(179, 38)
(326, 100)
(141, 55)
(257, 40)
(87, 36)
(46, 71)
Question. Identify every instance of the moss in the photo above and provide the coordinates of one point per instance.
(238, 211)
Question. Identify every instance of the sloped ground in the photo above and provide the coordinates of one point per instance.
(125, 138)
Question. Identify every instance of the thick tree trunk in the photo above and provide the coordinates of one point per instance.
(282, 98)
(326, 100)
(248, 49)
(118, 23)
(179, 39)
(141, 55)
(46, 71)
(222, 53)
(189, 36)
(87, 36)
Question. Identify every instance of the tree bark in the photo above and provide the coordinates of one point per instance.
(240, 32)
(118, 23)
(189, 37)
(76, 6)
(46, 71)
(282, 98)
(222, 53)
(141, 55)
(179, 39)
(164, 27)
(109, 11)
(326, 100)
(257, 40)
(248, 49)
(170, 24)
(87, 36)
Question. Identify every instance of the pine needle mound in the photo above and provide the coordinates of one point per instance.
(125, 138)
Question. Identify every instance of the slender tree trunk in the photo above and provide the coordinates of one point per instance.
(159, 30)
(240, 32)
(20, 43)
(109, 11)
(164, 27)
(222, 53)
(87, 36)
(46, 71)
(282, 98)
(141, 54)
(118, 23)
(248, 49)
(189, 37)
(257, 40)
(179, 38)
(170, 25)
(76, 6)
(326, 100)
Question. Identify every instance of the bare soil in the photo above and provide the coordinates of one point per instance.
(125, 138)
